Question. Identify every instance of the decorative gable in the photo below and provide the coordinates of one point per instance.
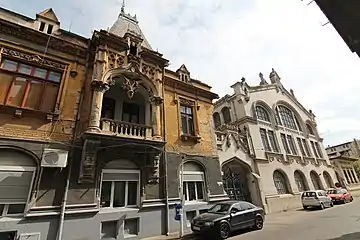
(49, 14)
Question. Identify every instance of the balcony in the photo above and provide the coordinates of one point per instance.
(125, 129)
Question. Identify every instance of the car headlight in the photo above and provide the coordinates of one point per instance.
(209, 224)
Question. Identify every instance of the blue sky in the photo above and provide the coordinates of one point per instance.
(221, 41)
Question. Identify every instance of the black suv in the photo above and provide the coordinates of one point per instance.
(225, 217)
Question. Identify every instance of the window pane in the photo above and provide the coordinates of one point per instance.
(291, 144)
(272, 140)
(191, 126)
(265, 140)
(34, 96)
(5, 83)
(119, 194)
(49, 97)
(285, 144)
(191, 187)
(188, 110)
(54, 76)
(200, 191)
(185, 191)
(1, 209)
(10, 65)
(17, 92)
(182, 109)
(105, 194)
(132, 193)
(184, 126)
(16, 209)
(41, 73)
(25, 69)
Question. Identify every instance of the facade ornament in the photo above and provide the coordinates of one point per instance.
(157, 100)
(131, 86)
(274, 77)
(99, 86)
(262, 79)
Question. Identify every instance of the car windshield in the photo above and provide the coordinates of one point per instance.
(220, 208)
(334, 191)
(309, 194)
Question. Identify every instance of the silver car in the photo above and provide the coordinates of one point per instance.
(316, 198)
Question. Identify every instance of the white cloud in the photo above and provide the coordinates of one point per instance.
(222, 41)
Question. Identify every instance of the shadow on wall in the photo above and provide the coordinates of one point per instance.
(349, 236)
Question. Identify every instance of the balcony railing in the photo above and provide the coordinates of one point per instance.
(125, 129)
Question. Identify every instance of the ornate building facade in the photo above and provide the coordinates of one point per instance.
(269, 147)
(129, 130)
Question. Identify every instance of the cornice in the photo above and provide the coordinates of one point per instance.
(33, 36)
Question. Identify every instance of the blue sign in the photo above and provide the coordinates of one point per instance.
(178, 207)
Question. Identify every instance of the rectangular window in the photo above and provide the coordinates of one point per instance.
(131, 113)
(314, 149)
(291, 145)
(285, 143)
(118, 192)
(193, 190)
(306, 146)
(187, 120)
(32, 88)
(265, 140)
(317, 146)
(301, 146)
(272, 140)
(42, 26)
(108, 108)
(49, 29)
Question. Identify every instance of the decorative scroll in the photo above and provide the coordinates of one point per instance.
(88, 162)
(32, 58)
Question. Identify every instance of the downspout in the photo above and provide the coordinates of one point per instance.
(165, 162)
(64, 200)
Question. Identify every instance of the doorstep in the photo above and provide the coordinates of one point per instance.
(173, 236)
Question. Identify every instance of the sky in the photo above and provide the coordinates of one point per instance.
(221, 41)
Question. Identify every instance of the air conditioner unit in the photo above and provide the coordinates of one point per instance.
(54, 158)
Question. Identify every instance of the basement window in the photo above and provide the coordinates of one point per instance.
(109, 230)
(131, 227)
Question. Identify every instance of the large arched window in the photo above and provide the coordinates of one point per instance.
(193, 182)
(328, 180)
(226, 114)
(288, 118)
(310, 129)
(217, 119)
(315, 179)
(120, 184)
(17, 171)
(300, 181)
(262, 114)
(280, 182)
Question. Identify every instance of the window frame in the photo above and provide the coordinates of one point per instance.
(291, 121)
(262, 114)
(273, 145)
(285, 189)
(192, 115)
(289, 144)
(120, 171)
(312, 143)
(186, 191)
(30, 80)
(6, 204)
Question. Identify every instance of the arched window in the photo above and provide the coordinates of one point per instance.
(310, 129)
(280, 182)
(17, 172)
(316, 180)
(193, 182)
(217, 120)
(262, 114)
(328, 180)
(300, 181)
(226, 114)
(120, 184)
(288, 118)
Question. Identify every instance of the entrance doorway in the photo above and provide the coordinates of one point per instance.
(235, 181)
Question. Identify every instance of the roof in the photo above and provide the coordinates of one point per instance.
(49, 14)
(128, 24)
(343, 15)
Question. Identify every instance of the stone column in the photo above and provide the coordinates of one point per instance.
(98, 88)
(350, 176)
(156, 116)
(356, 177)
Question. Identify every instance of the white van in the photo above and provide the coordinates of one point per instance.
(316, 198)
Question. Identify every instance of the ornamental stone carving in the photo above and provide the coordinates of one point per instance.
(130, 86)
(100, 86)
(115, 60)
(148, 71)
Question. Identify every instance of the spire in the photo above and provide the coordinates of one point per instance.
(123, 7)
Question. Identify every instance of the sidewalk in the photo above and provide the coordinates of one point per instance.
(173, 236)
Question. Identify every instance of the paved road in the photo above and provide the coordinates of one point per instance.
(342, 222)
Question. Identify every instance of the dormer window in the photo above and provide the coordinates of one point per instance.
(42, 26)
(133, 49)
(49, 29)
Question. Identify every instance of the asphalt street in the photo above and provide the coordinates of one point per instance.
(342, 222)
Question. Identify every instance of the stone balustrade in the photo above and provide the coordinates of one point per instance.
(125, 129)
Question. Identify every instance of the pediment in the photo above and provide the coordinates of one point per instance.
(183, 69)
(49, 14)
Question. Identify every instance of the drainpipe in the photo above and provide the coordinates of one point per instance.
(166, 189)
(64, 200)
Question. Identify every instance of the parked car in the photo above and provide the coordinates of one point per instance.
(226, 217)
(340, 195)
(316, 198)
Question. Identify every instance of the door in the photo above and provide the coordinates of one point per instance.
(248, 214)
(236, 187)
(236, 219)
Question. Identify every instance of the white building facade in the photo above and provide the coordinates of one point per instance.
(269, 147)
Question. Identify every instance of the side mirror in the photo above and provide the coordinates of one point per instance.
(233, 211)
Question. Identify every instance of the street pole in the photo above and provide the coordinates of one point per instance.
(182, 197)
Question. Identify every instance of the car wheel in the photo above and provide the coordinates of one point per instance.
(259, 223)
(331, 204)
(224, 231)
(305, 207)
(351, 199)
(322, 207)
